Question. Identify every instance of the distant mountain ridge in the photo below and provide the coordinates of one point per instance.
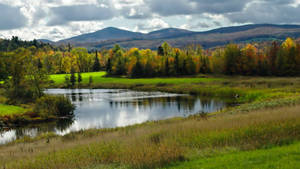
(108, 37)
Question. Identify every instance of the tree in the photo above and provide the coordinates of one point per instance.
(67, 81)
(73, 77)
(137, 70)
(160, 51)
(96, 66)
(17, 86)
(232, 55)
(37, 76)
(90, 80)
(3, 68)
(167, 67)
(79, 78)
(273, 56)
(176, 62)
(108, 66)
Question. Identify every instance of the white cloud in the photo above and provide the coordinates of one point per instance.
(150, 25)
(58, 19)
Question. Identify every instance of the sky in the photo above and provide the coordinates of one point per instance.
(60, 19)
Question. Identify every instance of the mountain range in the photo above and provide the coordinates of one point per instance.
(108, 37)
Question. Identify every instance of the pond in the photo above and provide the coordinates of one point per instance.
(110, 108)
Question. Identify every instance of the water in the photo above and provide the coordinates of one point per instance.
(109, 108)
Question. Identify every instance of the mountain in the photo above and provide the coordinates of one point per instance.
(46, 41)
(104, 34)
(168, 33)
(108, 37)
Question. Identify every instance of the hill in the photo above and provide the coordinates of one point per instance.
(108, 37)
(102, 35)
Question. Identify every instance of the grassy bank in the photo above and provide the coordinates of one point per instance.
(159, 144)
(241, 89)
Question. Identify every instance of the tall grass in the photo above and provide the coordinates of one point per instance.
(156, 144)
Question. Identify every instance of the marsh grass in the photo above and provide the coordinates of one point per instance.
(157, 144)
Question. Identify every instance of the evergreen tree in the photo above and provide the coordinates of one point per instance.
(167, 67)
(160, 51)
(177, 66)
(137, 70)
(108, 66)
(96, 66)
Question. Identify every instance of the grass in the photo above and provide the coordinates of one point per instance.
(11, 110)
(159, 144)
(99, 78)
(284, 157)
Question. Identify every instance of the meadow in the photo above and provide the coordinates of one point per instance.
(261, 131)
(100, 78)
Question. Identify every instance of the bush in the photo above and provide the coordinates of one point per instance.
(54, 105)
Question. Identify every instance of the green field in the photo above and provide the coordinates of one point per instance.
(98, 78)
(285, 157)
(10, 110)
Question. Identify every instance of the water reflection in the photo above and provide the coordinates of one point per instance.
(104, 108)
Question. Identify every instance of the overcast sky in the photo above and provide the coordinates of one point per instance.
(59, 19)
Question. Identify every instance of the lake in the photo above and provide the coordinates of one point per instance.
(110, 108)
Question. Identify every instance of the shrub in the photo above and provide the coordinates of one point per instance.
(54, 105)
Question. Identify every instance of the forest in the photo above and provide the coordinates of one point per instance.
(275, 59)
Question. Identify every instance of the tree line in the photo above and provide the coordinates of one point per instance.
(276, 59)
(251, 60)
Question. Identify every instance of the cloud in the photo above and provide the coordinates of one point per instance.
(65, 14)
(150, 25)
(185, 7)
(11, 17)
(267, 12)
(56, 19)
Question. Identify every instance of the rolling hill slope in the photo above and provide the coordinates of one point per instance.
(108, 37)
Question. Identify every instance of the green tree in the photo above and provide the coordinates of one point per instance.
(96, 66)
(73, 77)
(79, 78)
(232, 55)
(37, 76)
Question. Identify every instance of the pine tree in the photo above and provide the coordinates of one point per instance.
(108, 66)
(96, 66)
(167, 67)
(160, 51)
(137, 70)
(177, 68)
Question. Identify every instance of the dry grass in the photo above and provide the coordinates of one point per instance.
(156, 144)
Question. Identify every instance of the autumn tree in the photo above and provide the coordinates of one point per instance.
(232, 55)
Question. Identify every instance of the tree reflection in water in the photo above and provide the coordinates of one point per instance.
(108, 108)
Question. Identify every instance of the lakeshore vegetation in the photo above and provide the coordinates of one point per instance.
(260, 131)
